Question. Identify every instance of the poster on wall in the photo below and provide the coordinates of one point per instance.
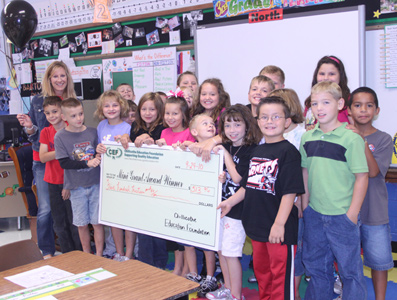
(90, 71)
(154, 70)
(233, 8)
(114, 65)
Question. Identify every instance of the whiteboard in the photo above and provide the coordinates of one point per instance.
(237, 52)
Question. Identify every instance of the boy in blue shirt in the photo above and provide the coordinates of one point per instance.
(335, 174)
(374, 216)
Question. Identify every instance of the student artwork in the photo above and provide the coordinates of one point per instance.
(128, 43)
(55, 49)
(34, 45)
(191, 19)
(4, 101)
(101, 10)
(31, 54)
(85, 47)
(153, 37)
(73, 47)
(112, 66)
(165, 29)
(63, 41)
(140, 32)
(161, 22)
(94, 39)
(197, 15)
(80, 39)
(116, 28)
(118, 40)
(174, 22)
(175, 37)
(128, 32)
(25, 53)
(107, 34)
(45, 47)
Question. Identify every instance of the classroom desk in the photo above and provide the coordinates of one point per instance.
(134, 280)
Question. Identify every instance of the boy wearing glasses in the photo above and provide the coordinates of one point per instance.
(270, 217)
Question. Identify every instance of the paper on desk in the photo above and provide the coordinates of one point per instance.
(38, 276)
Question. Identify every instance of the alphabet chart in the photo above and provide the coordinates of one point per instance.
(57, 14)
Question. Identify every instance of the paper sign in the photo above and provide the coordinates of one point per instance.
(154, 70)
(162, 192)
(84, 72)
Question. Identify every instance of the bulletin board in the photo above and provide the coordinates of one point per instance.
(127, 36)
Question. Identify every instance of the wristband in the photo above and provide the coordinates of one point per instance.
(30, 128)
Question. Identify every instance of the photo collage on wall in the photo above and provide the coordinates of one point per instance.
(162, 30)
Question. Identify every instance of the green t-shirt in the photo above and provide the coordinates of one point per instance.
(332, 159)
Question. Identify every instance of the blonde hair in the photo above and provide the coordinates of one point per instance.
(328, 87)
(193, 121)
(48, 89)
(263, 78)
(115, 95)
(291, 98)
(271, 69)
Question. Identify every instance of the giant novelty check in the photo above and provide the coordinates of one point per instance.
(162, 192)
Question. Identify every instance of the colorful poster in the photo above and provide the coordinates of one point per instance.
(232, 8)
(114, 65)
(154, 70)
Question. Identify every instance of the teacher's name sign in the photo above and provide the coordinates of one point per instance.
(162, 192)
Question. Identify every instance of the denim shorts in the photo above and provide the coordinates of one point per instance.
(376, 243)
(85, 205)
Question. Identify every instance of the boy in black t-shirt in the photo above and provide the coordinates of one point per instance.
(269, 188)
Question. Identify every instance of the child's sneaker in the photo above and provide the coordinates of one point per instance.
(194, 277)
(252, 279)
(233, 298)
(220, 294)
(337, 285)
(208, 285)
(120, 258)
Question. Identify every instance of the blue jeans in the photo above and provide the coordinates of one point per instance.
(326, 238)
(45, 232)
(299, 268)
(152, 250)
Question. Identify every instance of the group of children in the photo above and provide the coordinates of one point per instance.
(278, 173)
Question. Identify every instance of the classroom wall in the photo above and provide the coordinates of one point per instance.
(386, 120)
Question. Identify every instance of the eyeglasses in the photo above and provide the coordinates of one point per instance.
(273, 118)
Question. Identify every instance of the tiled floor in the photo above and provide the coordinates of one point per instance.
(10, 233)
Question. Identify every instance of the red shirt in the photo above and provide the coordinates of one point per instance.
(53, 171)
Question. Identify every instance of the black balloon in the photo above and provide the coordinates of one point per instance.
(19, 22)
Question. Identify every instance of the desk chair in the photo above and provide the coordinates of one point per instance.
(19, 254)
(23, 161)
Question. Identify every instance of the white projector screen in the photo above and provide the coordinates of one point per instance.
(235, 53)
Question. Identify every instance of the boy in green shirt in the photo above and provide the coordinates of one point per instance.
(335, 174)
